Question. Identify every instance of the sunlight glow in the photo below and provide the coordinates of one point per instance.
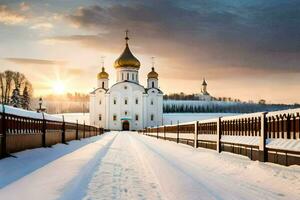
(58, 87)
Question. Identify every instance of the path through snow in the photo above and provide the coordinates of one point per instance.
(122, 165)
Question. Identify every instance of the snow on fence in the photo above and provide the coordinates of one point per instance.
(267, 137)
(21, 129)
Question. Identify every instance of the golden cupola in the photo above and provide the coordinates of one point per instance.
(127, 59)
(102, 74)
(153, 74)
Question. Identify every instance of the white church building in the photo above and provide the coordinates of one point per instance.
(126, 105)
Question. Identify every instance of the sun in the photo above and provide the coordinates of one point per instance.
(58, 87)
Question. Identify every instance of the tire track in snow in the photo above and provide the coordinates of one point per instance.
(121, 175)
(76, 188)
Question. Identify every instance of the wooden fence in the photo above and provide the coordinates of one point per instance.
(267, 137)
(18, 133)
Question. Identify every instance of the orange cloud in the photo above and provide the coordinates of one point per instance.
(10, 17)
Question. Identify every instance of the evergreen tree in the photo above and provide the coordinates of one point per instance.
(25, 99)
(15, 100)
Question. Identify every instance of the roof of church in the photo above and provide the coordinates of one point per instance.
(127, 59)
(153, 74)
(102, 74)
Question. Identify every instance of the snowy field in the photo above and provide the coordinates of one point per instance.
(125, 165)
(168, 118)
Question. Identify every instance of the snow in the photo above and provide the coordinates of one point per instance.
(26, 113)
(73, 117)
(168, 118)
(248, 140)
(284, 144)
(127, 165)
(172, 118)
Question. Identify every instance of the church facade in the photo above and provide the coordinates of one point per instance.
(126, 105)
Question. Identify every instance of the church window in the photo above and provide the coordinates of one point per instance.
(136, 101)
(100, 102)
(115, 101)
(122, 76)
(100, 117)
(126, 102)
(127, 76)
(132, 76)
(114, 117)
(136, 117)
(153, 84)
(102, 84)
(151, 102)
(152, 117)
(125, 112)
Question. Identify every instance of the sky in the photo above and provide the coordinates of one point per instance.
(246, 49)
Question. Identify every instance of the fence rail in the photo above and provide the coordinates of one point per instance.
(267, 137)
(18, 133)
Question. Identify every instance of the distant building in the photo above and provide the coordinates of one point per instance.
(126, 105)
(204, 95)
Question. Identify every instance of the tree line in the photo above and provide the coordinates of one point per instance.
(15, 89)
(186, 107)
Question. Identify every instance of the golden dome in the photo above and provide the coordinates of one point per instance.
(102, 75)
(153, 74)
(127, 59)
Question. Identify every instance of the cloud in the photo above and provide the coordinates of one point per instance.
(24, 6)
(200, 37)
(42, 26)
(10, 17)
(30, 61)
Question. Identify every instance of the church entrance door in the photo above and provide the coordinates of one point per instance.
(125, 126)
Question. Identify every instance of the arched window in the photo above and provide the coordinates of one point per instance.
(136, 101)
(136, 117)
(153, 84)
(100, 101)
(114, 117)
(115, 101)
(152, 117)
(126, 101)
(125, 112)
(122, 76)
(100, 117)
(132, 76)
(127, 76)
(151, 102)
(102, 84)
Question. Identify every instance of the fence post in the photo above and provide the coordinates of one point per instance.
(83, 129)
(196, 135)
(3, 131)
(177, 132)
(219, 134)
(263, 157)
(43, 131)
(77, 131)
(63, 132)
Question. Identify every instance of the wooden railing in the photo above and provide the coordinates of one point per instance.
(18, 133)
(267, 137)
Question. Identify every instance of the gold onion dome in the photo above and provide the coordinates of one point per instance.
(153, 74)
(127, 59)
(103, 74)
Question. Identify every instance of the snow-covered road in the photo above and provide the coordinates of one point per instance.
(125, 165)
